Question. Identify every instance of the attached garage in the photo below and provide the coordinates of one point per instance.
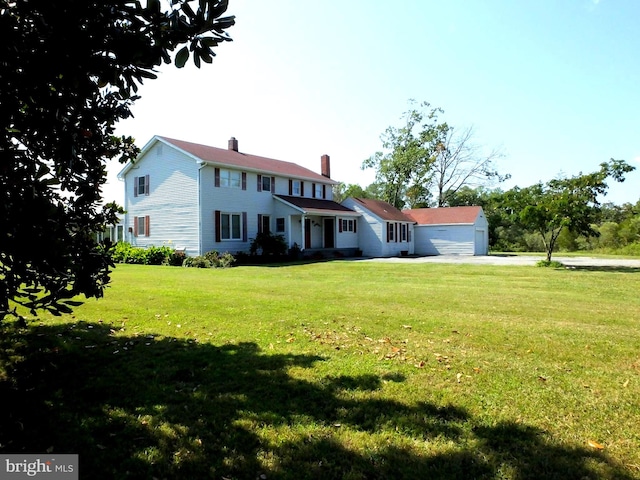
(450, 231)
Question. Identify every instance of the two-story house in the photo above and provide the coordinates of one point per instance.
(201, 198)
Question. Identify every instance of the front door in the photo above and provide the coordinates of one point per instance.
(307, 233)
(329, 233)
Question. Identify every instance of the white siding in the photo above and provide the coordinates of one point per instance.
(171, 205)
(372, 234)
(445, 239)
(453, 239)
(253, 202)
(346, 239)
(370, 230)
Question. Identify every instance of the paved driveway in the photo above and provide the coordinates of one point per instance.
(583, 262)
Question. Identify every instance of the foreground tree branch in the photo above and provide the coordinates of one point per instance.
(70, 71)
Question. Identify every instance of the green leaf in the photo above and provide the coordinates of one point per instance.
(182, 57)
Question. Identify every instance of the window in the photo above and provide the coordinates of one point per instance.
(266, 184)
(141, 226)
(141, 185)
(317, 190)
(390, 231)
(297, 187)
(230, 178)
(345, 225)
(279, 224)
(404, 232)
(230, 226)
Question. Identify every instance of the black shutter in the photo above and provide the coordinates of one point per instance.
(216, 222)
(244, 226)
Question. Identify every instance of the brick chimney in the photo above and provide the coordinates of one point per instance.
(325, 166)
(233, 144)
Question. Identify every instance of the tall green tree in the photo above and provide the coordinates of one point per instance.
(343, 191)
(70, 70)
(425, 161)
(565, 203)
(404, 166)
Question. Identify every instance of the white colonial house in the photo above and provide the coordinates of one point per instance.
(450, 231)
(199, 198)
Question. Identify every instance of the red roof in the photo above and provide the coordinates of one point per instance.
(444, 215)
(222, 156)
(382, 209)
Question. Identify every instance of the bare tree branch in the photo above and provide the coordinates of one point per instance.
(459, 162)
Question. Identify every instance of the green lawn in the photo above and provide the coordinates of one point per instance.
(336, 370)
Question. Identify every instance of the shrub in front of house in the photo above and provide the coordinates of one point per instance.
(197, 262)
(158, 255)
(268, 244)
(177, 258)
(211, 259)
(124, 252)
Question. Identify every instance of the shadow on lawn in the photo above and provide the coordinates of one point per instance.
(603, 268)
(141, 407)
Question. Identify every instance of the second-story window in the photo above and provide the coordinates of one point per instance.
(141, 185)
(296, 187)
(317, 193)
(230, 178)
(266, 183)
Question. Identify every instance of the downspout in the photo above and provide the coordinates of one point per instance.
(201, 166)
(127, 237)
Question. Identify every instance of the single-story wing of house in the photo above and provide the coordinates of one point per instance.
(449, 231)
(383, 230)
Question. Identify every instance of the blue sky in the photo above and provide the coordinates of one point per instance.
(554, 84)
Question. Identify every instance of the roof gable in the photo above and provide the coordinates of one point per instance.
(444, 215)
(316, 205)
(382, 209)
(231, 158)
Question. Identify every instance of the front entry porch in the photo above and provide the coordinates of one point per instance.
(318, 226)
(312, 232)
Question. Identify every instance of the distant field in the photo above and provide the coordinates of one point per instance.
(336, 370)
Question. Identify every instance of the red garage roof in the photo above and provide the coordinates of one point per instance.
(444, 215)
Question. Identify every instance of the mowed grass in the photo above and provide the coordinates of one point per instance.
(341, 369)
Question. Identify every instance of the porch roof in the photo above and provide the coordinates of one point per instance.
(315, 206)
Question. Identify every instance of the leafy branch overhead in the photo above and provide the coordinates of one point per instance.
(71, 70)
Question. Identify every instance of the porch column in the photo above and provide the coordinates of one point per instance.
(289, 232)
(302, 220)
